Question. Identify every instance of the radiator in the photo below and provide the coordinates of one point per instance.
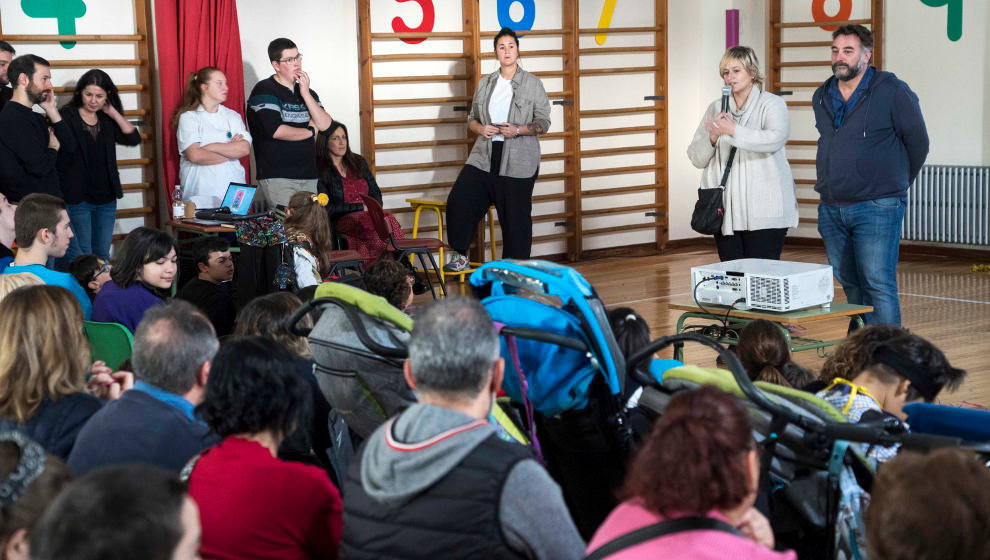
(949, 204)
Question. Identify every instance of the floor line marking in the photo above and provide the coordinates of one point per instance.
(648, 299)
(946, 298)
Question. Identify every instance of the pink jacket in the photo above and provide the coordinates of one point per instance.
(693, 545)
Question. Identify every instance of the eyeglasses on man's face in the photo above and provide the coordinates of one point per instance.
(290, 60)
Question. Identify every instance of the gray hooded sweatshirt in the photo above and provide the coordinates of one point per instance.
(535, 521)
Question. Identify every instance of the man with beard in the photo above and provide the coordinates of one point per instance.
(6, 55)
(28, 145)
(873, 143)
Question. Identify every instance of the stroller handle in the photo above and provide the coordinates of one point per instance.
(542, 336)
(292, 324)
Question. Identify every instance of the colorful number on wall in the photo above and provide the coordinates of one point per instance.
(818, 13)
(65, 13)
(525, 23)
(429, 16)
(953, 24)
(605, 21)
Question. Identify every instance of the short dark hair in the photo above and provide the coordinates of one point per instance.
(82, 268)
(35, 497)
(631, 334)
(35, 212)
(930, 506)
(203, 246)
(5, 46)
(864, 34)
(171, 343)
(114, 513)
(694, 460)
(276, 47)
(453, 347)
(505, 31)
(917, 360)
(389, 279)
(265, 316)
(24, 64)
(855, 352)
(141, 246)
(100, 79)
(255, 387)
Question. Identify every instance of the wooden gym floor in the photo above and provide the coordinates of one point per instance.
(942, 299)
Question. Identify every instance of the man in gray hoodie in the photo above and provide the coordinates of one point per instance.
(436, 481)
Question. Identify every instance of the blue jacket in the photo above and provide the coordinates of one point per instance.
(878, 149)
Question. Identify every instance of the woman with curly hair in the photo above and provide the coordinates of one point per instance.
(252, 504)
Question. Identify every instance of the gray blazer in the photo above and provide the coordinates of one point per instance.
(520, 155)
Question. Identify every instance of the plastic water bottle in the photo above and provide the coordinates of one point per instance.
(178, 208)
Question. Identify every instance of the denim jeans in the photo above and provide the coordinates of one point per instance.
(862, 241)
(92, 226)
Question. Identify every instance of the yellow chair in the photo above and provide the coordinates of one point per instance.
(440, 207)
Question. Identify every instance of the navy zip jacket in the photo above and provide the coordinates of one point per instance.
(878, 149)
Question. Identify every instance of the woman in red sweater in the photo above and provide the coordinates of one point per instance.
(253, 505)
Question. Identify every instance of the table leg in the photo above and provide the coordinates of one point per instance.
(679, 346)
(440, 237)
(491, 232)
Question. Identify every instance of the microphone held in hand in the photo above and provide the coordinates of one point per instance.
(726, 91)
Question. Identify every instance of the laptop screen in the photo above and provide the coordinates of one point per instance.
(238, 198)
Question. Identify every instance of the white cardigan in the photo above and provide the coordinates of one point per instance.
(759, 193)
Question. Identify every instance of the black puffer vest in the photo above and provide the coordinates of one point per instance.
(455, 518)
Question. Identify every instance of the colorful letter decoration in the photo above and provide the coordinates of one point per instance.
(429, 16)
(818, 13)
(605, 21)
(953, 24)
(525, 23)
(65, 13)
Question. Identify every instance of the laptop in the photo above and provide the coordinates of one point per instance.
(235, 206)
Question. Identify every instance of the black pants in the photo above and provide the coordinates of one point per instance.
(752, 244)
(474, 191)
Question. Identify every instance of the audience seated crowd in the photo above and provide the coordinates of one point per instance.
(228, 401)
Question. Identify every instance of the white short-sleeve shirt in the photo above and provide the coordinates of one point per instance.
(206, 184)
(499, 103)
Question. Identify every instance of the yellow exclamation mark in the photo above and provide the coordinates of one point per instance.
(605, 21)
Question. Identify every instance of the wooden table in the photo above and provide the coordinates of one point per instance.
(440, 208)
(740, 318)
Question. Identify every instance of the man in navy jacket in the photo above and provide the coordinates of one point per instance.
(873, 143)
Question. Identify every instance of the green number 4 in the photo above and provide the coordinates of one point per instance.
(64, 11)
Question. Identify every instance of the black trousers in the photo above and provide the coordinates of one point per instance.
(752, 244)
(474, 191)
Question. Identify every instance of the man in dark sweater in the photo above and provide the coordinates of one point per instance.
(6, 55)
(210, 290)
(28, 145)
(153, 423)
(437, 478)
(284, 116)
(872, 146)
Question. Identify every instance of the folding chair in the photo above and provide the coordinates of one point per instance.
(110, 342)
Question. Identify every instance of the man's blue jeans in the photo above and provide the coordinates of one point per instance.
(861, 241)
(92, 226)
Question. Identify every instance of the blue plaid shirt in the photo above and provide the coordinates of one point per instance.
(841, 106)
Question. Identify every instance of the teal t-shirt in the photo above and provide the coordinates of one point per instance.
(54, 278)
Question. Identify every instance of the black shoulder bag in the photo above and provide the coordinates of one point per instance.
(710, 208)
(657, 530)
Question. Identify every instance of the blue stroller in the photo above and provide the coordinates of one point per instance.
(566, 372)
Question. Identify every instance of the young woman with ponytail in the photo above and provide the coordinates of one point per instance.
(211, 138)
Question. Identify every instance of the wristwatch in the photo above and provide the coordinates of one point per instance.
(517, 130)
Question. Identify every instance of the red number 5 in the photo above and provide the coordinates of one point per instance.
(426, 26)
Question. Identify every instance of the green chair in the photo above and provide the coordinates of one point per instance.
(110, 342)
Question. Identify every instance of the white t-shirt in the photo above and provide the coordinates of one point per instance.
(498, 104)
(206, 184)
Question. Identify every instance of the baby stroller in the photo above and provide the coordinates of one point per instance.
(815, 478)
(566, 372)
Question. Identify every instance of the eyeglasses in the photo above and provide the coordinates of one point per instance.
(298, 57)
(104, 268)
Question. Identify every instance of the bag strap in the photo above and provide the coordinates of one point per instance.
(510, 343)
(728, 166)
(661, 529)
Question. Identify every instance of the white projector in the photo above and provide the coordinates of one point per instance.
(764, 284)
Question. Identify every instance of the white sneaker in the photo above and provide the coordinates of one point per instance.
(457, 263)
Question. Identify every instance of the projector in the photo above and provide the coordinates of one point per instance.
(764, 284)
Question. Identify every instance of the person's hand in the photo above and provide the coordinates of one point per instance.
(755, 527)
(714, 131)
(48, 101)
(726, 124)
(108, 385)
(507, 129)
(303, 79)
(489, 130)
(110, 110)
(237, 138)
(53, 140)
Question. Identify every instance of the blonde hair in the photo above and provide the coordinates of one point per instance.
(193, 92)
(43, 352)
(10, 282)
(747, 57)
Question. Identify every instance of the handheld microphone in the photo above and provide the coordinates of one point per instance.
(726, 91)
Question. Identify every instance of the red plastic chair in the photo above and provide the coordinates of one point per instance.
(422, 247)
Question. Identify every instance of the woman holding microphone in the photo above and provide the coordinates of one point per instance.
(509, 111)
(759, 197)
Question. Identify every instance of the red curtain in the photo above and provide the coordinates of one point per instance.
(191, 34)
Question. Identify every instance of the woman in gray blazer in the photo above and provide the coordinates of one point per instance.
(509, 111)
